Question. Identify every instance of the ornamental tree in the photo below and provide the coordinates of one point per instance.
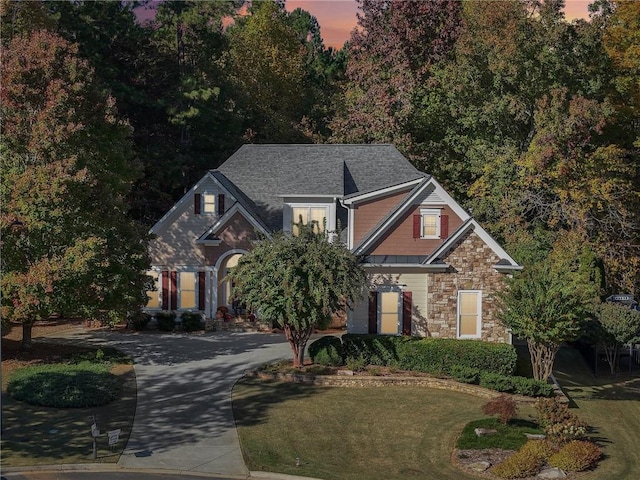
(546, 308)
(617, 325)
(299, 283)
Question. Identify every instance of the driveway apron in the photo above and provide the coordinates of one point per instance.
(184, 419)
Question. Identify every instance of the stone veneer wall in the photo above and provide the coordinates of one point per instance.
(471, 262)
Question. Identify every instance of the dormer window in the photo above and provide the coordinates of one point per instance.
(316, 216)
(208, 203)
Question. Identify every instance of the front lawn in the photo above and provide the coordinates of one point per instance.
(40, 435)
(351, 433)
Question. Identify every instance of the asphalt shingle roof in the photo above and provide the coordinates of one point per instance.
(264, 173)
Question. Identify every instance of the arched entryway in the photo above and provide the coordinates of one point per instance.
(224, 287)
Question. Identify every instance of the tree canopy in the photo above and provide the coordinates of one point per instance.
(299, 283)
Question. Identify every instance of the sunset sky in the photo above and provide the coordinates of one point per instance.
(338, 17)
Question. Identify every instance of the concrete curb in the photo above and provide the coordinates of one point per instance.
(112, 467)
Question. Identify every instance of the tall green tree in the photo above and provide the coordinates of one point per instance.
(299, 283)
(67, 167)
(616, 326)
(547, 306)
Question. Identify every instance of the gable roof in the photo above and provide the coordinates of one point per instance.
(267, 173)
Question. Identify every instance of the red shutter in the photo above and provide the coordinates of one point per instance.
(373, 312)
(196, 204)
(201, 291)
(406, 312)
(417, 220)
(165, 290)
(173, 290)
(444, 226)
(221, 204)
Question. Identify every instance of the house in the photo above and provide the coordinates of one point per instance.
(433, 268)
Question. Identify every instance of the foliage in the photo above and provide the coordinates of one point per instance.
(357, 363)
(166, 321)
(540, 448)
(139, 320)
(373, 349)
(523, 463)
(531, 387)
(438, 356)
(326, 350)
(79, 385)
(191, 321)
(509, 436)
(546, 309)
(504, 406)
(559, 423)
(465, 374)
(616, 325)
(497, 382)
(67, 166)
(576, 456)
(298, 282)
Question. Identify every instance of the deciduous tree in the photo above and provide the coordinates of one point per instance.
(617, 325)
(299, 283)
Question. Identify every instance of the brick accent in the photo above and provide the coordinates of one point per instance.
(471, 263)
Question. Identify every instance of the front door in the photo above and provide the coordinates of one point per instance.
(389, 317)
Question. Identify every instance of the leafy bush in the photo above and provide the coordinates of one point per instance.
(326, 351)
(497, 382)
(576, 456)
(374, 349)
(166, 321)
(465, 374)
(531, 387)
(542, 448)
(191, 321)
(523, 463)
(559, 423)
(139, 320)
(439, 355)
(503, 406)
(80, 385)
(357, 364)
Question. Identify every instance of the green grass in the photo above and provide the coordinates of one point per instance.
(509, 437)
(37, 435)
(351, 433)
(611, 407)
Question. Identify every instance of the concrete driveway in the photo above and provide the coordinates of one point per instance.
(184, 419)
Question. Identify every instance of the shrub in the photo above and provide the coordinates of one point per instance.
(326, 351)
(576, 456)
(374, 349)
(139, 320)
(509, 437)
(439, 355)
(496, 381)
(531, 387)
(542, 448)
(503, 406)
(191, 321)
(559, 423)
(523, 463)
(465, 374)
(572, 429)
(63, 385)
(166, 321)
(357, 364)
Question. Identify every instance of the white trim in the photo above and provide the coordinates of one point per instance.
(178, 207)
(287, 214)
(485, 237)
(350, 221)
(478, 314)
(215, 275)
(235, 208)
(435, 267)
(309, 195)
(430, 212)
(381, 192)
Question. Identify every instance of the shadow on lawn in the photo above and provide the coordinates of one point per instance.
(255, 396)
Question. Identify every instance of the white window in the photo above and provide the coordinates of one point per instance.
(469, 313)
(316, 216)
(389, 313)
(430, 223)
(208, 203)
(187, 289)
(154, 296)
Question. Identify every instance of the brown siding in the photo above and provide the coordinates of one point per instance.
(399, 240)
(366, 215)
(237, 233)
(471, 263)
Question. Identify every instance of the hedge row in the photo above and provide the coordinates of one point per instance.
(430, 355)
